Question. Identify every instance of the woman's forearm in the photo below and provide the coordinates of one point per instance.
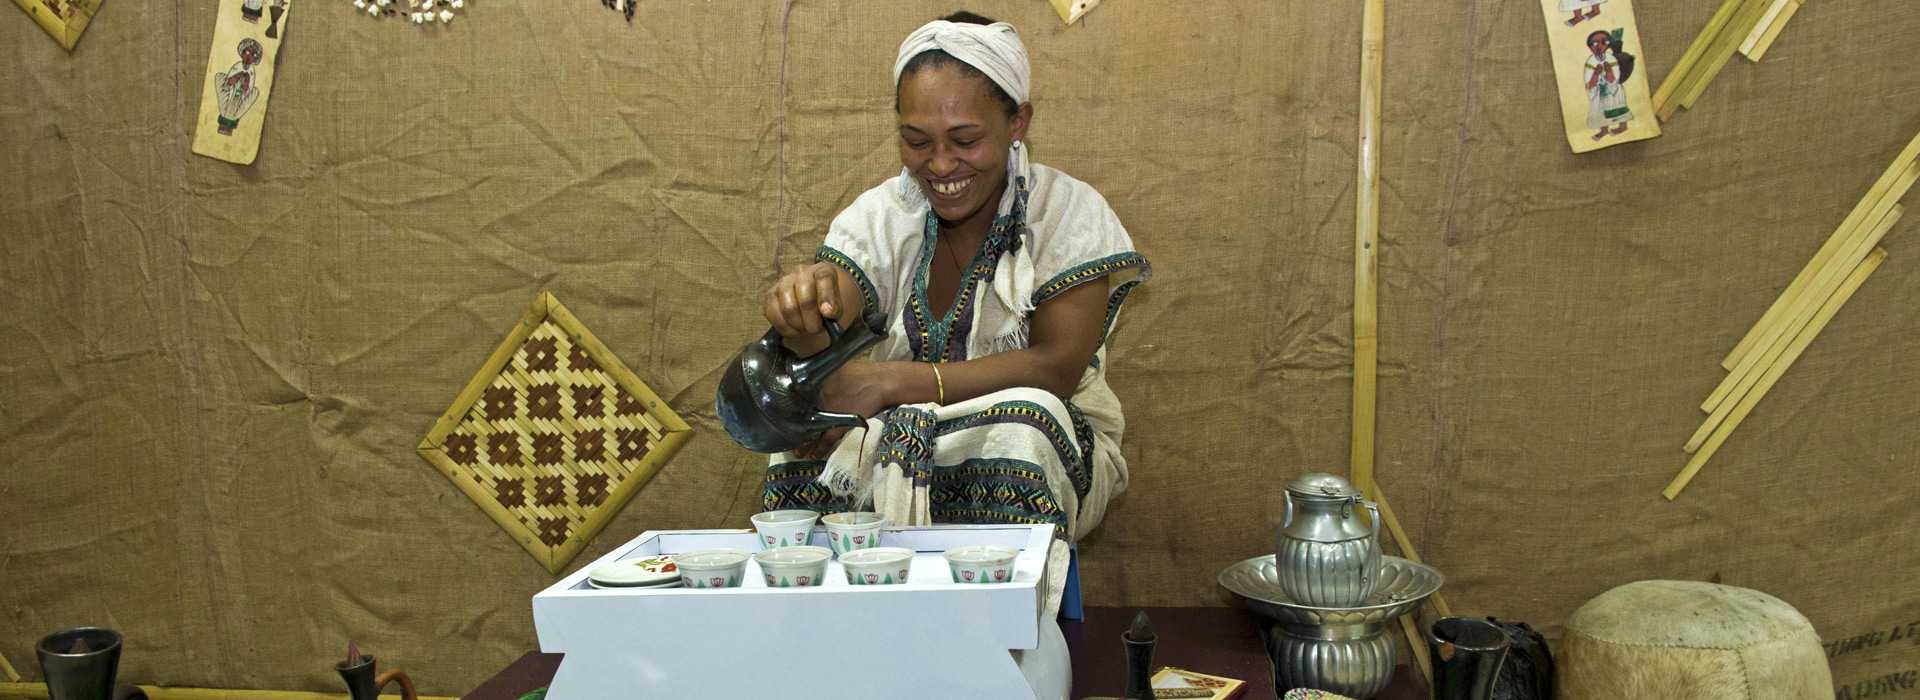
(915, 382)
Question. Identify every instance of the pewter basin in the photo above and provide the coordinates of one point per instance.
(1403, 586)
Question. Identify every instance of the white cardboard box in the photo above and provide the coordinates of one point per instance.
(927, 638)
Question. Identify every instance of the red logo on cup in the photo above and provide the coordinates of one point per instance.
(967, 575)
(999, 574)
(802, 580)
(717, 582)
(873, 578)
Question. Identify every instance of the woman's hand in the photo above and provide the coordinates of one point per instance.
(801, 300)
(822, 447)
(859, 388)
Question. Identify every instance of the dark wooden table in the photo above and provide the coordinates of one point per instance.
(1216, 641)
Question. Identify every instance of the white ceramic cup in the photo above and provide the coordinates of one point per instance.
(712, 568)
(850, 531)
(793, 567)
(784, 528)
(877, 566)
(981, 563)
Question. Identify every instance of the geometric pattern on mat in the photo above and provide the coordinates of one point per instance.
(553, 435)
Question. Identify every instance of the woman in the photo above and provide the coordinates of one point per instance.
(1607, 71)
(235, 87)
(988, 400)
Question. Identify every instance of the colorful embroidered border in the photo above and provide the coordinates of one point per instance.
(795, 485)
(1024, 413)
(995, 491)
(1082, 471)
(840, 260)
(907, 442)
(1092, 270)
(949, 333)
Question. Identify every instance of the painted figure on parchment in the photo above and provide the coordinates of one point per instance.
(250, 9)
(235, 88)
(1591, 8)
(1606, 74)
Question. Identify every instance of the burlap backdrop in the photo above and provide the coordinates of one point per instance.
(214, 376)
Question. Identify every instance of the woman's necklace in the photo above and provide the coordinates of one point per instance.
(959, 269)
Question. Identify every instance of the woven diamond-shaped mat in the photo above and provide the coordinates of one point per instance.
(553, 435)
(65, 20)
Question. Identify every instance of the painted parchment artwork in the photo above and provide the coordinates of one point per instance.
(240, 69)
(1604, 99)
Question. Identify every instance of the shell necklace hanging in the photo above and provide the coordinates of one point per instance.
(419, 11)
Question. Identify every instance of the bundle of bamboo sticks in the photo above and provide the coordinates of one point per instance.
(1815, 295)
(1744, 26)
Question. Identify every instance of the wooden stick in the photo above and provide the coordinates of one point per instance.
(1405, 543)
(38, 691)
(1366, 222)
(1847, 257)
(1722, 51)
(1893, 174)
(1760, 28)
(6, 669)
(1773, 32)
(1694, 51)
(1802, 315)
(1698, 71)
(1827, 310)
(1422, 658)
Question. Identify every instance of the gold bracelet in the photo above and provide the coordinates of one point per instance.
(938, 381)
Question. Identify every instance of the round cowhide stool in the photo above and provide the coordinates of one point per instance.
(1687, 639)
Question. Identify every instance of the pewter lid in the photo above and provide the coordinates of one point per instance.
(1322, 485)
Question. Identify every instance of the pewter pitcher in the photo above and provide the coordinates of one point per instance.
(1325, 556)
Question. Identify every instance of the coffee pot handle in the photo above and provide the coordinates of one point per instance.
(1288, 520)
(1373, 512)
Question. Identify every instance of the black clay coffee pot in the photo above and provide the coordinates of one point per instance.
(769, 399)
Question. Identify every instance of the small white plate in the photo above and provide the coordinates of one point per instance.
(676, 583)
(645, 571)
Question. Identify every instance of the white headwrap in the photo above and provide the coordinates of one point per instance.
(994, 49)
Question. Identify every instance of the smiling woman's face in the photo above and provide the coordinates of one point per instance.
(954, 138)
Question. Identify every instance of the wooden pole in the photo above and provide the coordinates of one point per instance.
(1827, 310)
(1366, 221)
(1422, 658)
(1405, 543)
(6, 669)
